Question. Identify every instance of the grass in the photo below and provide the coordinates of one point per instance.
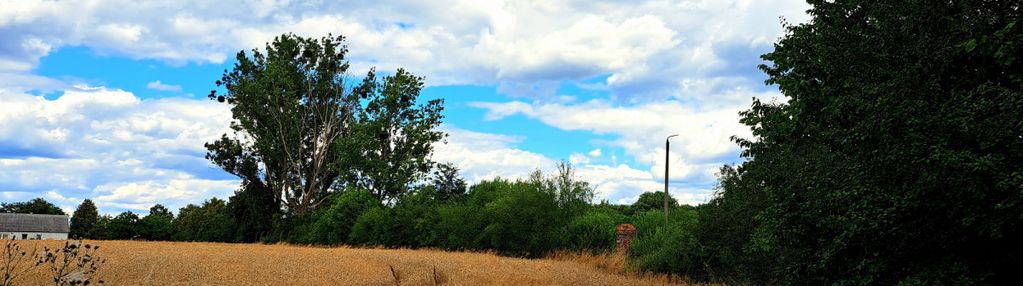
(188, 263)
(615, 264)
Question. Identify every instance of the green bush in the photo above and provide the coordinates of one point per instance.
(524, 221)
(292, 229)
(670, 247)
(374, 227)
(415, 217)
(334, 224)
(461, 223)
(647, 222)
(459, 226)
(253, 211)
(511, 218)
(209, 222)
(594, 230)
(652, 201)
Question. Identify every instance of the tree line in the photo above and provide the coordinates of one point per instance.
(530, 217)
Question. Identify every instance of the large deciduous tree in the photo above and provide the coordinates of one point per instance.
(291, 106)
(394, 136)
(897, 157)
(302, 132)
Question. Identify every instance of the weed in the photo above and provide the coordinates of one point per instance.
(13, 262)
(394, 274)
(73, 264)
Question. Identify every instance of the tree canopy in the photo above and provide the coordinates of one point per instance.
(303, 130)
(447, 183)
(290, 105)
(34, 206)
(123, 226)
(84, 220)
(394, 135)
(895, 158)
(158, 225)
(652, 201)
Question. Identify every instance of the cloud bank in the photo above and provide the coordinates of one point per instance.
(129, 154)
(108, 145)
(658, 67)
(642, 49)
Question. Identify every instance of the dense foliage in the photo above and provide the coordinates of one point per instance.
(158, 225)
(303, 133)
(530, 217)
(667, 246)
(291, 108)
(391, 144)
(335, 223)
(652, 201)
(896, 158)
(209, 222)
(254, 211)
(84, 219)
(34, 206)
(593, 230)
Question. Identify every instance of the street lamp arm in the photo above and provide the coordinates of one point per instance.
(669, 137)
(667, 161)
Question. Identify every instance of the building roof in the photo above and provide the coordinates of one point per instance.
(12, 222)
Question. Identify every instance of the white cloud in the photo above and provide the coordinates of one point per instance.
(103, 142)
(108, 145)
(645, 48)
(12, 81)
(157, 85)
(128, 154)
(702, 146)
(622, 184)
(481, 156)
(578, 159)
(174, 191)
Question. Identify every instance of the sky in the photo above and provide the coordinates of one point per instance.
(106, 100)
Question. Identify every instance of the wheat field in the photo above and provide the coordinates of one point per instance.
(188, 263)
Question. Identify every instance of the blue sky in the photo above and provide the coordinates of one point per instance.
(107, 100)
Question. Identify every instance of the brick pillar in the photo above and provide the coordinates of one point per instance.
(623, 239)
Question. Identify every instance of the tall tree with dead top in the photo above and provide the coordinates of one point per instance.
(291, 107)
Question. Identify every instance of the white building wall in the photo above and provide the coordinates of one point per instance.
(34, 235)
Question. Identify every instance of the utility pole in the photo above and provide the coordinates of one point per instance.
(667, 151)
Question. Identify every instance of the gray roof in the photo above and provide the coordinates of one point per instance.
(11, 222)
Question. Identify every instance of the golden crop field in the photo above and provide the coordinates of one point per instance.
(187, 263)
